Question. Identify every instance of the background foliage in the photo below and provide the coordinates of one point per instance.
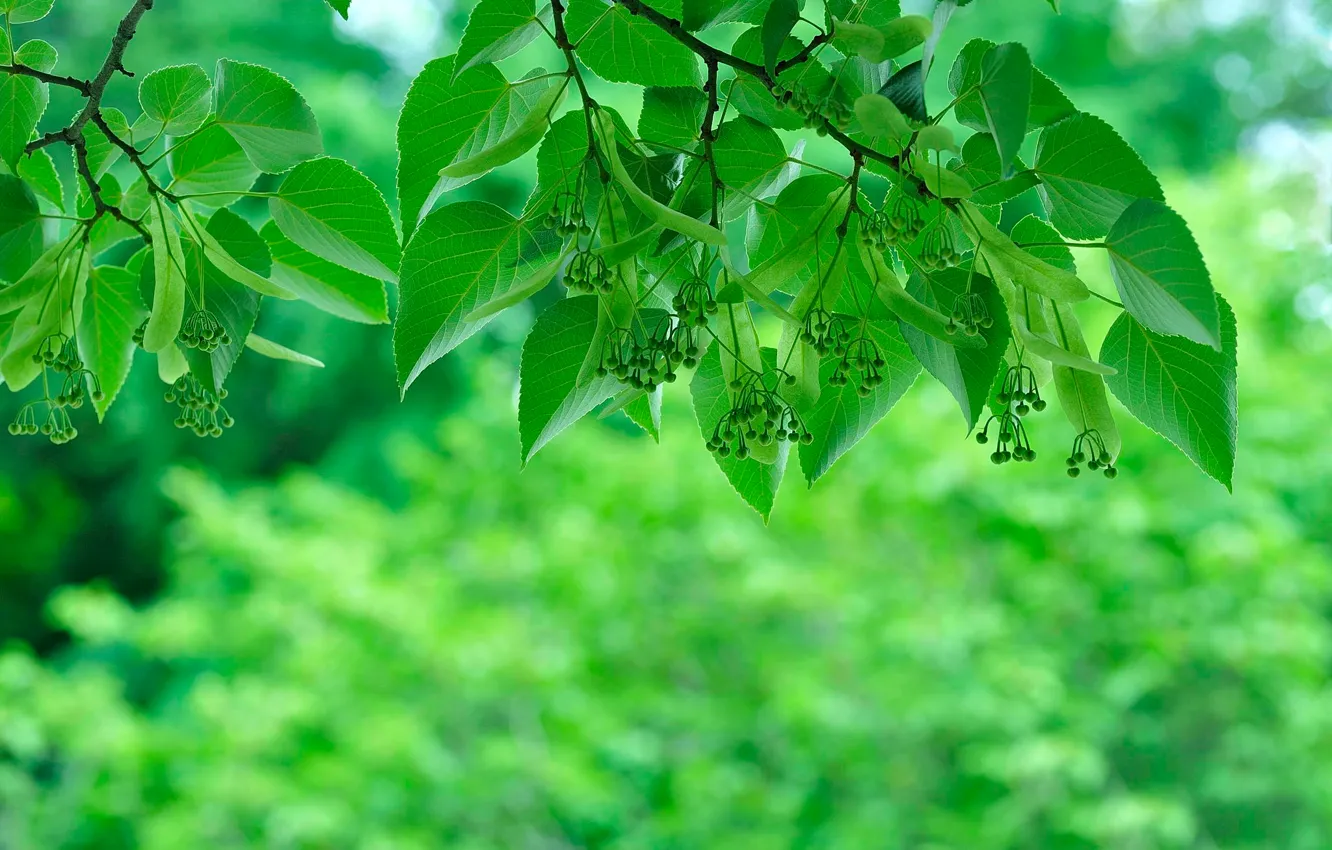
(411, 644)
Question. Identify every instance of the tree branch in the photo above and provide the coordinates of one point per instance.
(81, 86)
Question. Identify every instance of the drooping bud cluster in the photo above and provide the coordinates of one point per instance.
(203, 331)
(1089, 448)
(58, 354)
(814, 107)
(862, 356)
(826, 332)
(140, 331)
(1013, 443)
(759, 415)
(970, 315)
(1019, 389)
(566, 216)
(647, 359)
(588, 273)
(201, 410)
(938, 251)
(899, 222)
(694, 302)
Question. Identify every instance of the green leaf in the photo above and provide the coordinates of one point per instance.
(1000, 86)
(749, 158)
(26, 11)
(464, 256)
(1182, 390)
(1089, 176)
(20, 228)
(672, 116)
(22, 102)
(842, 417)
(623, 48)
(341, 7)
(265, 114)
(1049, 104)
(549, 396)
(268, 348)
(906, 89)
(967, 372)
(645, 411)
(178, 98)
(328, 286)
(778, 22)
(234, 305)
(517, 140)
(1160, 273)
(497, 29)
(38, 170)
(756, 482)
(530, 284)
(446, 120)
(333, 211)
(212, 163)
(112, 311)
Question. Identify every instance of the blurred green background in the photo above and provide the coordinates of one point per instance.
(355, 623)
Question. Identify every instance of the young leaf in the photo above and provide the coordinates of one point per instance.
(967, 372)
(620, 47)
(464, 256)
(211, 164)
(37, 279)
(333, 211)
(756, 482)
(328, 286)
(496, 29)
(168, 310)
(274, 351)
(1089, 176)
(672, 116)
(102, 152)
(778, 22)
(112, 311)
(549, 398)
(37, 54)
(842, 417)
(1182, 390)
(61, 299)
(177, 98)
(1160, 273)
(20, 228)
(266, 115)
(530, 284)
